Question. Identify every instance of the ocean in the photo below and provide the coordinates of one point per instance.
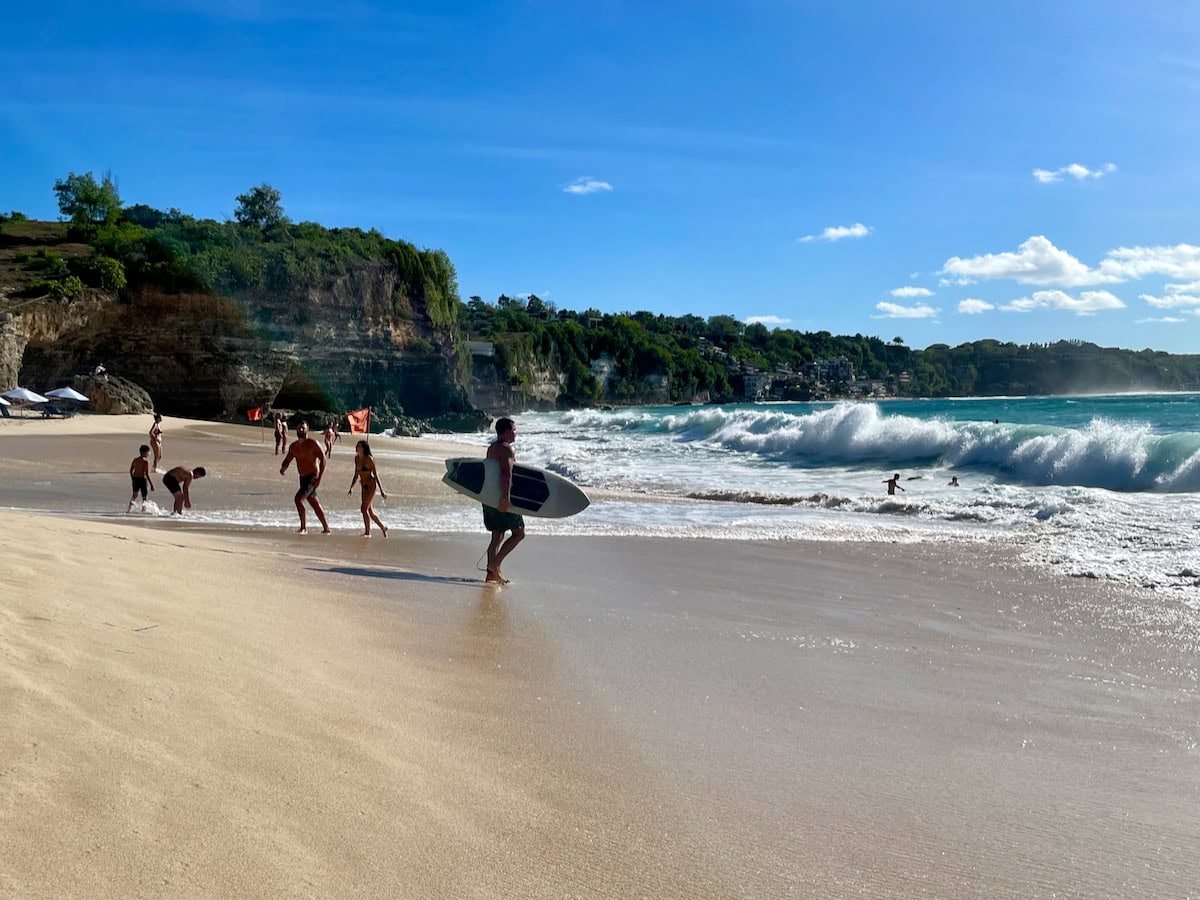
(1091, 486)
(1100, 487)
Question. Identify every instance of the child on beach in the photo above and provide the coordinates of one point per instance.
(139, 474)
(365, 472)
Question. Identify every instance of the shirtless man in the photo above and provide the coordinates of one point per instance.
(310, 466)
(280, 434)
(499, 520)
(139, 474)
(332, 436)
(156, 439)
(893, 483)
(177, 481)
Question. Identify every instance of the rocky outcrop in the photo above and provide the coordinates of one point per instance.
(113, 395)
(358, 341)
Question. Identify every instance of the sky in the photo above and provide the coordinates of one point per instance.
(936, 171)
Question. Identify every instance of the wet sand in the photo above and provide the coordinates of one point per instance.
(187, 711)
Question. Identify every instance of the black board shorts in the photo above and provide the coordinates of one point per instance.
(139, 484)
(308, 487)
(171, 483)
(494, 520)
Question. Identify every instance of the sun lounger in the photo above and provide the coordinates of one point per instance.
(49, 410)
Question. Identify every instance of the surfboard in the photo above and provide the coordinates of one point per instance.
(535, 492)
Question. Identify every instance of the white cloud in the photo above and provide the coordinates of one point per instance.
(1175, 320)
(1171, 301)
(896, 311)
(1037, 261)
(1088, 303)
(766, 320)
(1180, 261)
(950, 282)
(586, 185)
(909, 292)
(837, 232)
(1075, 170)
(973, 307)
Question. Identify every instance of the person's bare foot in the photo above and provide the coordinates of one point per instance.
(365, 534)
(301, 531)
(383, 528)
(326, 530)
(493, 577)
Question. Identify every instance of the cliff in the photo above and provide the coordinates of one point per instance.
(362, 335)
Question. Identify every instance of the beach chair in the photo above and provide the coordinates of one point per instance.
(49, 410)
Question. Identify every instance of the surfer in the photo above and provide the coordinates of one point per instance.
(365, 472)
(498, 520)
(310, 466)
(893, 483)
(177, 481)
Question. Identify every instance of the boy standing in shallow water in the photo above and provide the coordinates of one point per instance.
(139, 474)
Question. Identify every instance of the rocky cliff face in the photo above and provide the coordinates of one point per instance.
(356, 341)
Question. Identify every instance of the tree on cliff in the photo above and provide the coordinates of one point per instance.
(260, 206)
(86, 202)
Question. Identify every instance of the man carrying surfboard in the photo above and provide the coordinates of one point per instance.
(498, 519)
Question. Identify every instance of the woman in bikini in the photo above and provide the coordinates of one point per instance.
(365, 472)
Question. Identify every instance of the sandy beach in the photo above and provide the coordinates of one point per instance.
(191, 711)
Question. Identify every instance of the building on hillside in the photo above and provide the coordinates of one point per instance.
(756, 385)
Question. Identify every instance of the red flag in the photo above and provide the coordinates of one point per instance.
(255, 414)
(360, 420)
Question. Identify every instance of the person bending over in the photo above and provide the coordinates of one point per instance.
(178, 481)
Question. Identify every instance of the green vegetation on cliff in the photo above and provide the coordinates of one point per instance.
(710, 357)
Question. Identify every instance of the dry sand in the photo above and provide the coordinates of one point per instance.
(191, 712)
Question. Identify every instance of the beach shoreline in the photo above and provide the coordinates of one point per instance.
(195, 711)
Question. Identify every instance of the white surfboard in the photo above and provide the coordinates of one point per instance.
(535, 492)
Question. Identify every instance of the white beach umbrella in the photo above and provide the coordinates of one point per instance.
(66, 393)
(25, 395)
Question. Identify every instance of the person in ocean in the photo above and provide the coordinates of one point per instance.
(499, 520)
(953, 481)
(892, 484)
(310, 466)
(366, 473)
(139, 474)
(156, 439)
(178, 481)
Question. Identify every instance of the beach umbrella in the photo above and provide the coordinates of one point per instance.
(66, 393)
(25, 395)
(3, 402)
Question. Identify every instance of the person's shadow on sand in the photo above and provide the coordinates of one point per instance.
(396, 574)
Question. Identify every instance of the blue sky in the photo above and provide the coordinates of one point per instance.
(938, 171)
